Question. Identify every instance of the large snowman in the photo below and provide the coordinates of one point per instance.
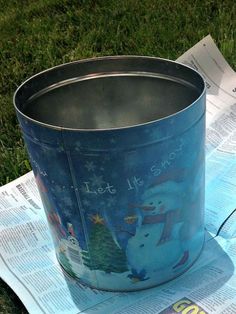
(156, 244)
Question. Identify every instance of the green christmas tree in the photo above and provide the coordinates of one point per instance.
(66, 264)
(103, 253)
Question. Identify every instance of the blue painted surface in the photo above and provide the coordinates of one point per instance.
(125, 206)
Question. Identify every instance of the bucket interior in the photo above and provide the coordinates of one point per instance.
(110, 100)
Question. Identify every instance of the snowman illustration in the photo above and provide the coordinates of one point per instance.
(156, 245)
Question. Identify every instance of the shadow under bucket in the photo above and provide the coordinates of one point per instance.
(117, 149)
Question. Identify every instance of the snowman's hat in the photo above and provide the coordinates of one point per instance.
(168, 187)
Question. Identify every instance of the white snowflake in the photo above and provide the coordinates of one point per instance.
(46, 150)
(86, 202)
(67, 200)
(60, 149)
(112, 141)
(90, 166)
(68, 213)
(131, 161)
(107, 157)
(60, 173)
(77, 146)
(97, 181)
(56, 188)
(114, 175)
(111, 201)
(147, 130)
(154, 134)
(102, 204)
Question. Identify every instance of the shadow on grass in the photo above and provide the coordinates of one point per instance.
(9, 301)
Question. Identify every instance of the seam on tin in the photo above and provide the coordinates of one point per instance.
(41, 143)
(79, 203)
(101, 59)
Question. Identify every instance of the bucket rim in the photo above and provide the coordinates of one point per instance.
(113, 57)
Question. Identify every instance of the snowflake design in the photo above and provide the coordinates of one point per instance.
(131, 161)
(102, 204)
(67, 213)
(77, 146)
(90, 166)
(154, 134)
(68, 201)
(111, 201)
(46, 150)
(86, 202)
(114, 175)
(112, 141)
(97, 181)
(60, 149)
(147, 130)
(56, 188)
(58, 172)
(107, 157)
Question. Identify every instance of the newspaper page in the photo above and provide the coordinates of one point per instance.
(27, 259)
(220, 130)
(29, 265)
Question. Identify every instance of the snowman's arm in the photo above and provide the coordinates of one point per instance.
(119, 229)
(168, 227)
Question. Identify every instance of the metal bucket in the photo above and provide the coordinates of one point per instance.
(117, 148)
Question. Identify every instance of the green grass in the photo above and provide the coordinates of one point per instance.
(35, 35)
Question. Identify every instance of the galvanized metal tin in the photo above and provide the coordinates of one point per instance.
(117, 148)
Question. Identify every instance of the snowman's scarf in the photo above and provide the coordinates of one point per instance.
(169, 219)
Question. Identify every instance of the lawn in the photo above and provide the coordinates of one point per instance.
(35, 35)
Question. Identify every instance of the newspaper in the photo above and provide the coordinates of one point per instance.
(27, 259)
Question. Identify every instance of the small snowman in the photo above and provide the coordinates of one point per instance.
(72, 249)
(156, 244)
